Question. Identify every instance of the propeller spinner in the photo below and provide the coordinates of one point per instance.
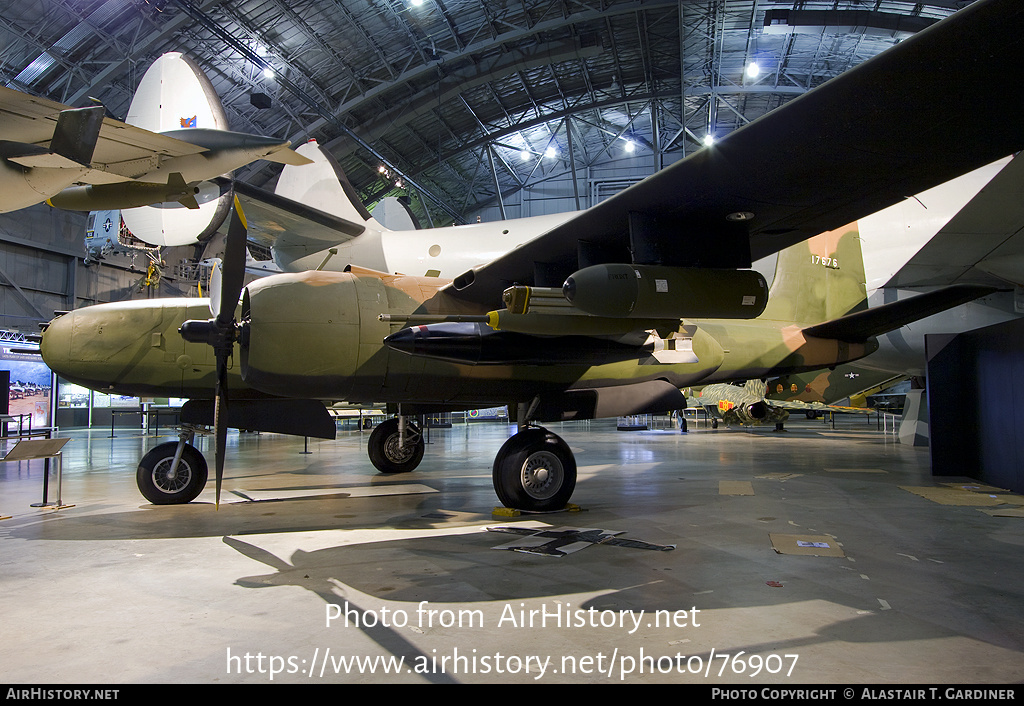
(221, 331)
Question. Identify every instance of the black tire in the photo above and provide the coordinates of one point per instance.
(159, 487)
(384, 452)
(534, 470)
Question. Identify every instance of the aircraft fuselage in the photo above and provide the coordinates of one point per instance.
(317, 335)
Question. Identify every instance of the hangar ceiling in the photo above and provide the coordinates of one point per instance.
(463, 103)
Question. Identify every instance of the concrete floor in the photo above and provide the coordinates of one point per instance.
(114, 590)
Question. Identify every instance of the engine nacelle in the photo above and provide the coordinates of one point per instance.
(755, 414)
(659, 292)
(309, 334)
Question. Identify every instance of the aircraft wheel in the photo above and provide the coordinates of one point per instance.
(160, 486)
(385, 453)
(534, 470)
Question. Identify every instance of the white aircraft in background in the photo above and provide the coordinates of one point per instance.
(171, 143)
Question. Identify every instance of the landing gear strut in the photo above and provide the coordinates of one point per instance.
(172, 473)
(396, 445)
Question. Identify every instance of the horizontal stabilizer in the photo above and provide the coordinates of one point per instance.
(862, 325)
(287, 155)
(280, 222)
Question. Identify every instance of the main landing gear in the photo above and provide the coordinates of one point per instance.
(534, 470)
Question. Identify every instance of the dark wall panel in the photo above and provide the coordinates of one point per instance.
(976, 404)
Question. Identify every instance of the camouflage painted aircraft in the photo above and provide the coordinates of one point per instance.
(603, 313)
(749, 404)
(740, 405)
(823, 389)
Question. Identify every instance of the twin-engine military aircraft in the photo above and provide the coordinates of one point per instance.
(603, 313)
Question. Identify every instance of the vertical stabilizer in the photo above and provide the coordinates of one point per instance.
(819, 279)
(393, 212)
(174, 94)
(322, 185)
(756, 388)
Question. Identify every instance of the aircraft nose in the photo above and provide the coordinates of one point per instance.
(69, 347)
(96, 346)
(55, 345)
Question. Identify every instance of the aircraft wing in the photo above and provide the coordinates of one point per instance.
(863, 141)
(982, 244)
(819, 407)
(122, 150)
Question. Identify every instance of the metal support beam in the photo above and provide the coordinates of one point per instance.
(572, 162)
(497, 184)
(309, 100)
(32, 308)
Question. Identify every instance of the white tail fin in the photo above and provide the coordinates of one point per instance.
(174, 94)
(323, 185)
(393, 212)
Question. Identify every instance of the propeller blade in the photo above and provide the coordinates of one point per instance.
(220, 421)
(232, 279)
(220, 332)
(233, 266)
